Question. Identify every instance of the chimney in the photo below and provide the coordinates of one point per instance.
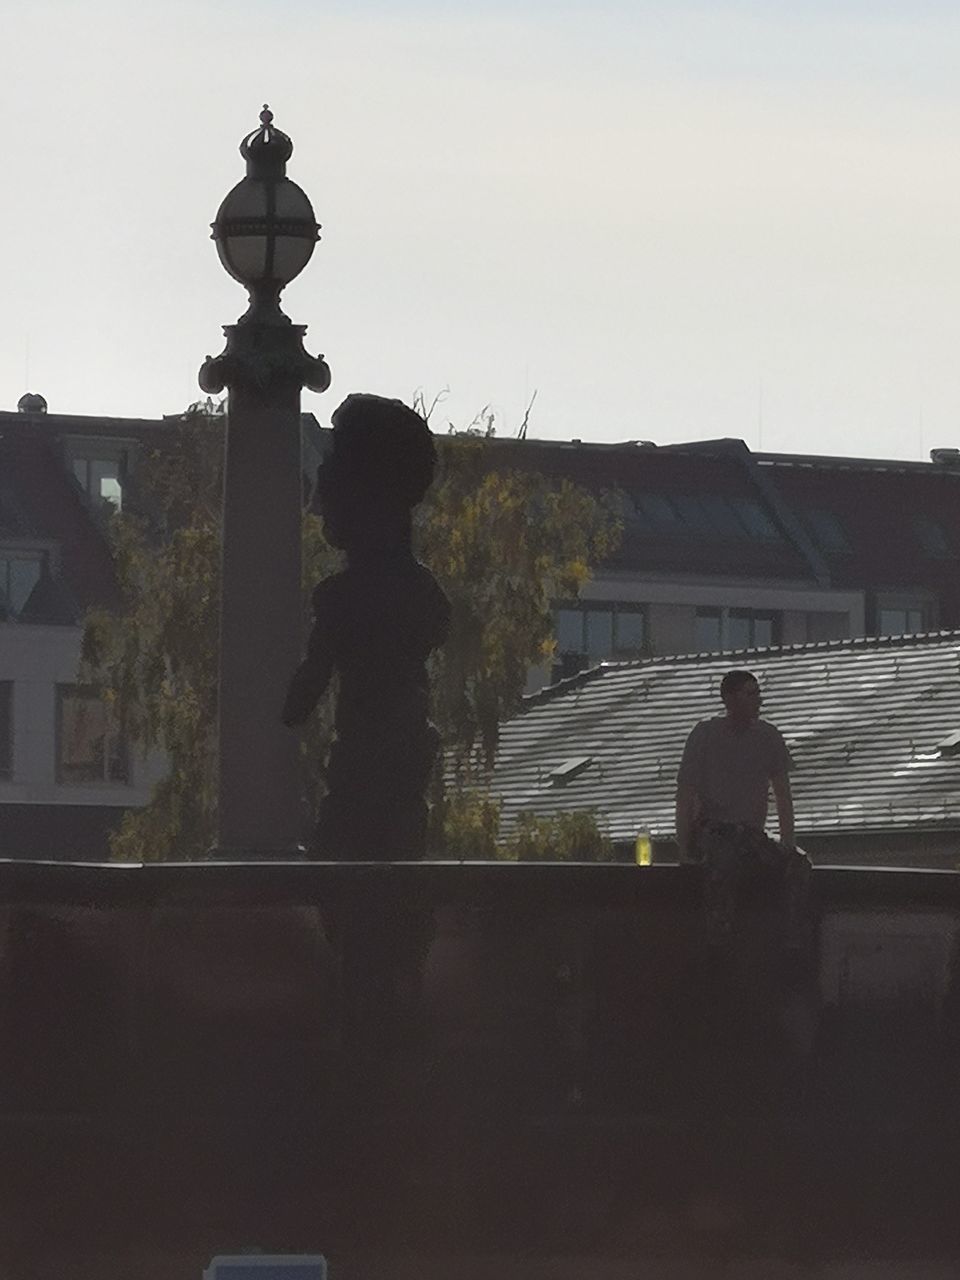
(31, 403)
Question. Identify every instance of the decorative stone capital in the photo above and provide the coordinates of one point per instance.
(262, 357)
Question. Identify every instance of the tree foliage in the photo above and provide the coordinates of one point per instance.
(503, 544)
(559, 837)
(472, 831)
(155, 656)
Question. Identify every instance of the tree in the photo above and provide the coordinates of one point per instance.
(503, 544)
(472, 831)
(559, 837)
(155, 656)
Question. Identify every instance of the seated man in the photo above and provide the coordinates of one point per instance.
(729, 765)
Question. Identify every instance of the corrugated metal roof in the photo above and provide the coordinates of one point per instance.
(863, 720)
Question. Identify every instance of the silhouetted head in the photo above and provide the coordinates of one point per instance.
(380, 467)
(741, 696)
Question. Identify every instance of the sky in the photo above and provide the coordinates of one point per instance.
(666, 220)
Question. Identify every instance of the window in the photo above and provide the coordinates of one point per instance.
(931, 537)
(718, 629)
(704, 516)
(6, 728)
(659, 512)
(591, 633)
(707, 630)
(825, 529)
(825, 624)
(101, 479)
(694, 515)
(568, 625)
(630, 632)
(899, 622)
(598, 625)
(755, 520)
(19, 574)
(90, 744)
(721, 516)
(13, 519)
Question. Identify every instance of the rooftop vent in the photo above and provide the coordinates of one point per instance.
(950, 745)
(945, 457)
(31, 403)
(570, 769)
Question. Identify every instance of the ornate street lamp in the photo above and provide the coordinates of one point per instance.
(265, 229)
(265, 232)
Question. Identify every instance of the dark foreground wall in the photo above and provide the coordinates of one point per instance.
(504, 1070)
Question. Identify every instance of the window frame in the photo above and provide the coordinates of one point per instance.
(723, 615)
(906, 611)
(827, 530)
(25, 552)
(756, 519)
(88, 451)
(732, 518)
(42, 550)
(616, 609)
(931, 537)
(116, 734)
(816, 619)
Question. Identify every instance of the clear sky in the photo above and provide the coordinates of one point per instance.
(671, 220)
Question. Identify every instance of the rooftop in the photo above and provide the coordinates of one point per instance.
(868, 723)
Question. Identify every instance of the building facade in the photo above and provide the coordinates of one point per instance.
(722, 550)
(67, 772)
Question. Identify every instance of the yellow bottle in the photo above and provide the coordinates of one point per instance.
(643, 849)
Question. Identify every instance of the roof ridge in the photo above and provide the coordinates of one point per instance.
(909, 640)
(905, 641)
(567, 683)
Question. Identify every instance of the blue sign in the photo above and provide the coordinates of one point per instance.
(262, 1266)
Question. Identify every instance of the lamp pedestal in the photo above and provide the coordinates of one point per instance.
(263, 367)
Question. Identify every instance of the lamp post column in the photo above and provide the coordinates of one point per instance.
(263, 367)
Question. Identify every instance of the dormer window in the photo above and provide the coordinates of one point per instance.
(100, 465)
(19, 574)
(100, 479)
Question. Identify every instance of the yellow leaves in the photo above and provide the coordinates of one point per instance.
(503, 544)
(561, 837)
(471, 826)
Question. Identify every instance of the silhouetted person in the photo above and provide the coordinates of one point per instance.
(730, 764)
(376, 624)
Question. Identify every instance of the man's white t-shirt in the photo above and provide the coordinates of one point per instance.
(730, 767)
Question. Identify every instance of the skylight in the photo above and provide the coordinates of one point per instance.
(704, 516)
(570, 769)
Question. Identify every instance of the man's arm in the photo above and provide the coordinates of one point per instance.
(689, 778)
(784, 801)
(688, 806)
